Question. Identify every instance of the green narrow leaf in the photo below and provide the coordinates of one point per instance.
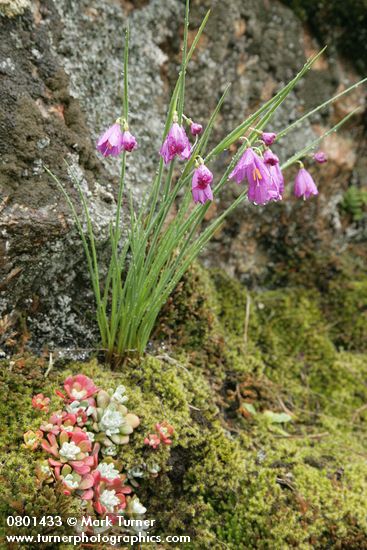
(314, 143)
(126, 76)
(282, 94)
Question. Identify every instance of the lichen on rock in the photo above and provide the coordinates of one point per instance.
(12, 8)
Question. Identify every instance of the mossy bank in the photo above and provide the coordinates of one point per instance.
(269, 413)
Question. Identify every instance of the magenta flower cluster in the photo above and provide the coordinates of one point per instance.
(258, 166)
(114, 141)
(75, 439)
(265, 178)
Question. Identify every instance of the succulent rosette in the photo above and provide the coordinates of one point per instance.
(79, 387)
(110, 495)
(165, 432)
(152, 440)
(113, 423)
(69, 447)
(44, 473)
(41, 402)
(73, 482)
(32, 439)
(80, 440)
(135, 507)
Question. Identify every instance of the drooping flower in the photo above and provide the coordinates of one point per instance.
(268, 137)
(239, 173)
(79, 387)
(196, 128)
(270, 158)
(272, 162)
(165, 432)
(129, 142)
(262, 187)
(304, 186)
(41, 402)
(260, 193)
(111, 142)
(152, 440)
(176, 144)
(201, 184)
(320, 157)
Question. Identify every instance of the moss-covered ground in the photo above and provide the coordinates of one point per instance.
(267, 392)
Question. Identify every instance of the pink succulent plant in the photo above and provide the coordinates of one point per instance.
(165, 432)
(74, 482)
(41, 402)
(152, 440)
(72, 448)
(110, 496)
(79, 387)
(44, 473)
(74, 460)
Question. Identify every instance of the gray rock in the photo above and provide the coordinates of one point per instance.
(61, 73)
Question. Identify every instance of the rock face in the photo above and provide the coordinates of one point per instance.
(60, 72)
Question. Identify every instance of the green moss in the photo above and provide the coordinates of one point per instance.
(297, 496)
(292, 327)
(346, 310)
(232, 478)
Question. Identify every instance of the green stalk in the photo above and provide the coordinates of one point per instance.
(244, 126)
(181, 95)
(89, 252)
(126, 79)
(152, 197)
(319, 108)
(316, 142)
